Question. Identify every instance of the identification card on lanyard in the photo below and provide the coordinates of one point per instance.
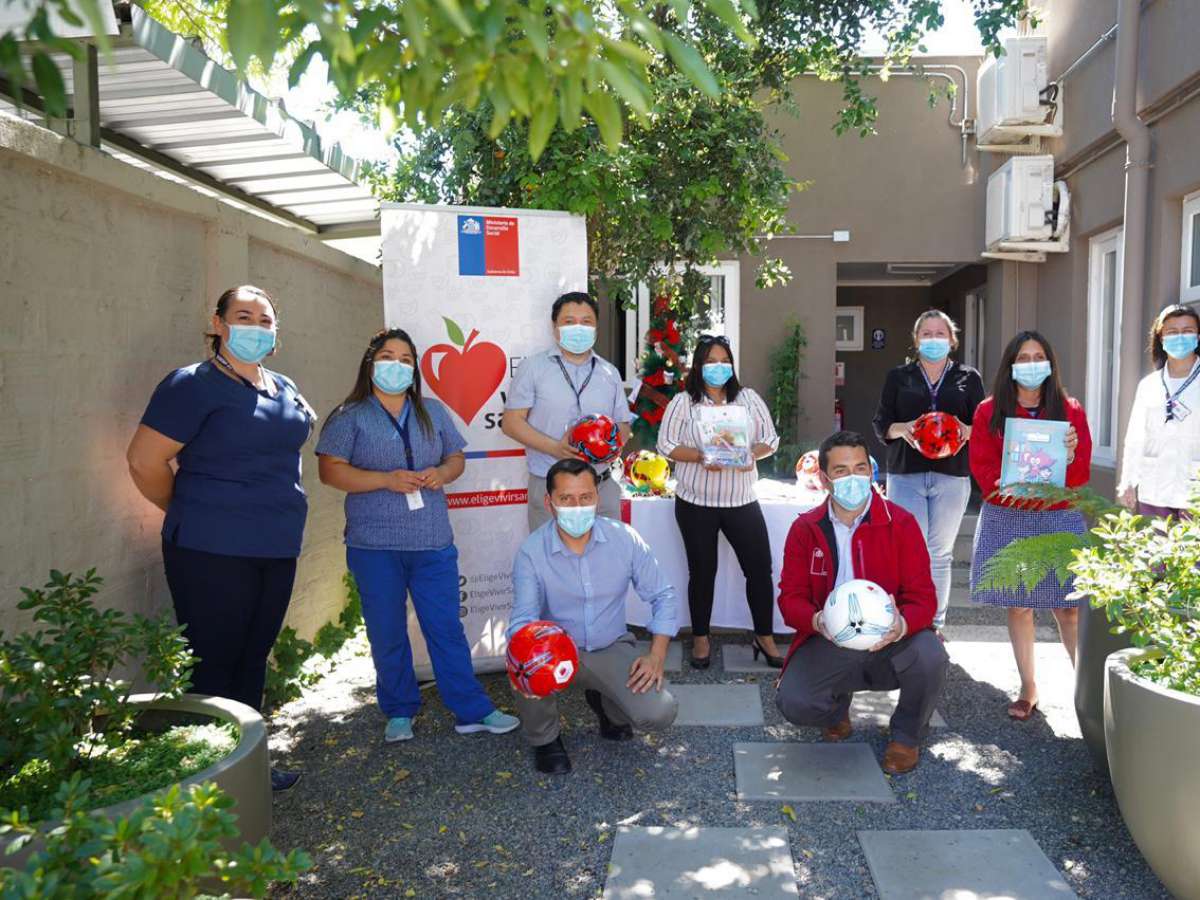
(415, 500)
(1177, 411)
(583, 387)
(934, 388)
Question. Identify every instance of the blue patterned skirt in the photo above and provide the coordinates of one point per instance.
(998, 527)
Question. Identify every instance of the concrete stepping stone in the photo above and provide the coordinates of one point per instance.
(794, 771)
(987, 863)
(875, 708)
(740, 658)
(729, 705)
(674, 654)
(688, 863)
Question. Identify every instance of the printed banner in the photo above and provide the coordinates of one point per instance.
(471, 334)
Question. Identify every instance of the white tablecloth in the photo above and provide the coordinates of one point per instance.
(654, 518)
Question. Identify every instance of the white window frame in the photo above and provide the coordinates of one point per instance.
(1188, 293)
(1097, 372)
(637, 320)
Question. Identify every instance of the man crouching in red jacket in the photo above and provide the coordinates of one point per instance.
(859, 534)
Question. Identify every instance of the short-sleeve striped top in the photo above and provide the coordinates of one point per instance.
(695, 484)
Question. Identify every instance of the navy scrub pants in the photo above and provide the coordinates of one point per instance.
(384, 578)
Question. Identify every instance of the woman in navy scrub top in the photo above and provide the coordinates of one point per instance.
(234, 504)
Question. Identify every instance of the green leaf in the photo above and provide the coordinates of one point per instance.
(627, 85)
(300, 65)
(414, 27)
(607, 115)
(454, 331)
(691, 64)
(50, 84)
(455, 14)
(728, 13)
(630, 51)
(540, 128)
(570, 102)
(252, 30)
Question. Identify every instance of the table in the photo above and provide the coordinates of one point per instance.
(654, 519)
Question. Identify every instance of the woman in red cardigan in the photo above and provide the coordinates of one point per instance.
(1027, 386)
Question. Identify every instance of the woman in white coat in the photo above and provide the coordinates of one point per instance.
(1160, 467)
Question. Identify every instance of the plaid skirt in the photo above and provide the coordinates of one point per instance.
(998, 527)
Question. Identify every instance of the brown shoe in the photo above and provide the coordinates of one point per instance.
(838, 732)
(900, 758)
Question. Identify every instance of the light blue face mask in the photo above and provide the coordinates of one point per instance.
(716, 374)
(392, 376)
(1030, 375)
(851, 491)
(575, 520)
(934, 349)
(250, 343)
(577, 338)
(1180, 346)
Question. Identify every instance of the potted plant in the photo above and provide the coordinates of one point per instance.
(1024, 563)
(66, 712)
(1148, 581)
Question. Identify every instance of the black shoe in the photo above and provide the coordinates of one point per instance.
(775, 662)
(609, 730)
(283, 781)
(551, 758)
(700, 662)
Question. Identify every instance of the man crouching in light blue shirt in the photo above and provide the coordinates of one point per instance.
(576, 571)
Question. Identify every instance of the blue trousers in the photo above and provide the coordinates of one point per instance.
(385, 578)
(938, 503)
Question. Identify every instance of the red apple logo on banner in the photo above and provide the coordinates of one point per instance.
(464, 379)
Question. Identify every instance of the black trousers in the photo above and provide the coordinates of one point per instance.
(746, 530)
(821, 678)
(232, 608)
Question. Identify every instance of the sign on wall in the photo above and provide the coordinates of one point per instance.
(471, 334)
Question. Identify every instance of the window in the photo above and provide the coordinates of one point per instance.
(1105, 265)
(848, 328)
(972, 337)
(1189, 274)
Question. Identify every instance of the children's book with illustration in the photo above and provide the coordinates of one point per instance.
(1035, 453)
(724, 435)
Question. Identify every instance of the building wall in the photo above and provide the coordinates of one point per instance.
(107, 278)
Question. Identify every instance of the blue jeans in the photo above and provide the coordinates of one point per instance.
(938, 502)
(384, 578)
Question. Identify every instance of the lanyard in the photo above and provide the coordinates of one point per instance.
(1173, 398)
(934, 388)
(243, 379)
(401, 430)
(571, 384)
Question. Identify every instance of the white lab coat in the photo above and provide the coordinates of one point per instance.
(1162, 459)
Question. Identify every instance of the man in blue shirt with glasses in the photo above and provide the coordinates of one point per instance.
(576, 571)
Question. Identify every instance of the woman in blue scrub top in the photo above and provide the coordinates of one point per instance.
(393, 452)
(234, 504)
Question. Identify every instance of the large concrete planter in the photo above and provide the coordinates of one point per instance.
(1094, 646)
(1152, 734)
(244, 774)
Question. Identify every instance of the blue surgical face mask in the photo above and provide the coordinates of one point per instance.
(1180, 346)
(575, 520)
(1030, 375)
(851, 491)
(934, 349)
(250, 343)
(716, 374)
(577, 338)
(392, 376)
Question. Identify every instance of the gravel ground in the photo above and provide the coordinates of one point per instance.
(453, 816)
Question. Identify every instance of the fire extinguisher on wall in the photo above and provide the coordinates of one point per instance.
(837, 414)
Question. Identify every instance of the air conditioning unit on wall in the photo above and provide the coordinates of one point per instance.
(1028, 212)
(1017, 105)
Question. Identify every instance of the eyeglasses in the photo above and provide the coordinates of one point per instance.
(714, 339)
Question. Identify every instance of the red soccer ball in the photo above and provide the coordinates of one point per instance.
(938, 435)
(541, 659)
(597, 438)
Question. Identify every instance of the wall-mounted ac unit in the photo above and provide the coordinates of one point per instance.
(1028, 212)
(1017, 106)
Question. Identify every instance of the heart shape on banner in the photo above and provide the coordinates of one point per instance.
(464, 379)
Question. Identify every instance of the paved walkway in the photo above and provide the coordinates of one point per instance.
(752, 807)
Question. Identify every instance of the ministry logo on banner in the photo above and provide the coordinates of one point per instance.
(488, 245)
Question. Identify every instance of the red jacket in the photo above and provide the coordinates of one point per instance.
(887, 548)
(986, 450)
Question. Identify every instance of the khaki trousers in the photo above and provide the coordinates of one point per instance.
(607, 672)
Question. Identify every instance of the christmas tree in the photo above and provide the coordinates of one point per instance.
(662, 372)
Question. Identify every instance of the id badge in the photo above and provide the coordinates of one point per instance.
(1180, 411)
(415, 500)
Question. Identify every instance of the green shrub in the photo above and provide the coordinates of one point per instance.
(60, 699)
(170, 846)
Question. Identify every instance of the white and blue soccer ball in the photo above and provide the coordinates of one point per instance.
(858, 614)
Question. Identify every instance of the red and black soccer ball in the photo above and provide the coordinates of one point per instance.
(938, 435)
(541, 659)
(597, 437)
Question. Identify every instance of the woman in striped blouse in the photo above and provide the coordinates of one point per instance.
(711, 500)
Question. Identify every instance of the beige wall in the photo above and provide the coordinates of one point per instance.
(107, 274)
